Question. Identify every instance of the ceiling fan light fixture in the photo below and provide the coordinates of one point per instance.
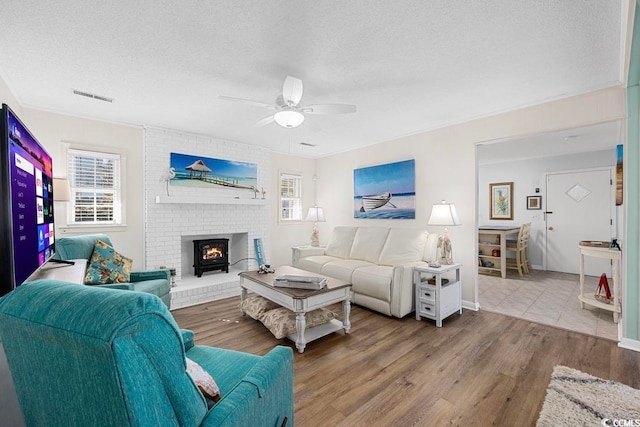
(289, 118)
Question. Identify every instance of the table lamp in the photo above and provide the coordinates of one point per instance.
(444, 213)
(315, 214)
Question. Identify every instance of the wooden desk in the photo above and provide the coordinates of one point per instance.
(491, 237)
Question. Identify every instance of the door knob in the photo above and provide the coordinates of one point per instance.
(550, 228)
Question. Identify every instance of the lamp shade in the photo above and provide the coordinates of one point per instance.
(61, 190)
(444, 214)
(315, 214)
(289, 118)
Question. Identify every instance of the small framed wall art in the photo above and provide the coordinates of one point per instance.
(534, 202)
(501, 198)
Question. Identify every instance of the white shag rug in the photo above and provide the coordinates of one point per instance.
(578, 399)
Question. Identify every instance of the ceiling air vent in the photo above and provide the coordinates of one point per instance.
(92, 95)
(306, 144)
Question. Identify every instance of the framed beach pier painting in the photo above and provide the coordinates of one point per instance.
(200, 171)
(385, 191)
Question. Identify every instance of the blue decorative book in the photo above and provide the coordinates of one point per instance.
(257, 244)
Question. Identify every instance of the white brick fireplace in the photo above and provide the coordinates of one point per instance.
(177, 215)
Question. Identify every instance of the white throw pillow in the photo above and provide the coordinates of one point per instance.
(341, 242)
(403, 245)
(203, 380)
(368, 243)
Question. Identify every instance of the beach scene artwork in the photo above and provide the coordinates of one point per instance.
(619, 162)
(188, 170)
(385, 191)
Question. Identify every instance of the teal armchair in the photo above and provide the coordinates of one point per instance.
(90, 356)
(156, 282)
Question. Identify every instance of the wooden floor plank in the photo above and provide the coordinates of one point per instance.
(480, 368)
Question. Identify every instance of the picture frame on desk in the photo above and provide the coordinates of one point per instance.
(501, 200)
(534, 202)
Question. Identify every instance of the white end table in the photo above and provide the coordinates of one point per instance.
(616, 258)
(435, 300)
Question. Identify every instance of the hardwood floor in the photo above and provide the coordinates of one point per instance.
(480, 368)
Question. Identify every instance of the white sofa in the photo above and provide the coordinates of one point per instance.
(377, 261)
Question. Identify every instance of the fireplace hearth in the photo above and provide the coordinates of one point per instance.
(210, 255)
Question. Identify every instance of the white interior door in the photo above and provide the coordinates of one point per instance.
(579, 207)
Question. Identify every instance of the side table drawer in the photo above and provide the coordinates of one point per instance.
(427, 294)
(427, 309)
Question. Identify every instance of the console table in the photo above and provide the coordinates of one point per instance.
(615, 256)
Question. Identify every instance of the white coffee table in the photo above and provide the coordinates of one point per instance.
(301, 301)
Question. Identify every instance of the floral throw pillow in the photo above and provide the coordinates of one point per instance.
(107, 266)
(203, 380)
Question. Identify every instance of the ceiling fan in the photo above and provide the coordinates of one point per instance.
(289, 113)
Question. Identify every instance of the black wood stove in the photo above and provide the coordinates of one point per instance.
(210, 254)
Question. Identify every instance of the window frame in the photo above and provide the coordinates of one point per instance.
(118, 217)
(298, 177)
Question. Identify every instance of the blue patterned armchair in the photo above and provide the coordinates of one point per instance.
(90, 356)
(156, 282)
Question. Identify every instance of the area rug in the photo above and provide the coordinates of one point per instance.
(578, 399)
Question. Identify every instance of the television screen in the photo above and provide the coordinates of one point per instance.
(27, 203)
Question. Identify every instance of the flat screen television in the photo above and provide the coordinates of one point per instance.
(26, 204)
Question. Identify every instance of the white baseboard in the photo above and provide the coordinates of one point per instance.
(471, 305)
(629, 344)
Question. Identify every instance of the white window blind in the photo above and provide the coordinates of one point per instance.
(290, 197)
(95, 187)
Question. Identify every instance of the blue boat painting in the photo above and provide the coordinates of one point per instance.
(201, 171)
(385, 191)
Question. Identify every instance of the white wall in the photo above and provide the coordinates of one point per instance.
(446, 167)
(57, 131)
(527, 175)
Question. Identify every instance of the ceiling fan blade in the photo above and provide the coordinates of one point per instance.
(267, 120)
(329, 109)
(248, 102)
(292, 91)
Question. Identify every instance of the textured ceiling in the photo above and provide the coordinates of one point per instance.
(409, 66)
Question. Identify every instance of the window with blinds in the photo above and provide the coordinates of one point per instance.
(95, 187)
(290, 197)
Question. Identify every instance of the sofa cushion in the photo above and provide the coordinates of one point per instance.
(368, 243)
(341, 241)
(314, 263)
(107, 266)
(282, 322)
(374, 281)
(431, 248)
(403, 245)
(343, 268)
